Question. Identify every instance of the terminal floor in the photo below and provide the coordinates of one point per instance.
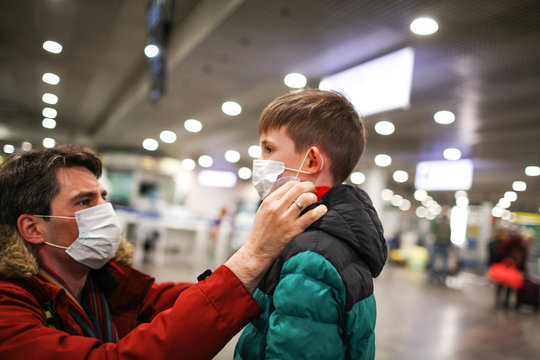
(420, 320)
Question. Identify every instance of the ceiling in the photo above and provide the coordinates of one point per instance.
(483, 64)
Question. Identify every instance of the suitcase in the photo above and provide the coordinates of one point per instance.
(529, 294)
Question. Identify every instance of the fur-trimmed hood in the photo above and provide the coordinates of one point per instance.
(18, 259)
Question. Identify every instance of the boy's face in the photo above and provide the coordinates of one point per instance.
(278, 146)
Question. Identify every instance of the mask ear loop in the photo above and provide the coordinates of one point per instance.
(303, 161)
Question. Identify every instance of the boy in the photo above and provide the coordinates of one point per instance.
(317, 298)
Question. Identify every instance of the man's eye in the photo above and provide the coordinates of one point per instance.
(83, 202)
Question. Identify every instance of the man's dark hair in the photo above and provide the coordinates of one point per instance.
(28, 180)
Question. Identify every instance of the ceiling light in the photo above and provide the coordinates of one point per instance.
(232, 156)
(244, 173)
(49, 98)
(150, 144)
(254, 151)
(510, 196)
(460, 193)
(49, 112)
(151, 50)
(400, 176)
(504, 203)
(48, 142)
(358, 178)
(50, 78)
(532, 171)
(188, 164)
(48, 123)
(193, 125)
(231, 108)
(420, 195)
(405, 205)
(295, 80)
(435, 209)
(26, 146)
(9, 149)
(52, 47)
(497, 211)
(167, 136)
(384, 128)
(519, 186)
(506, 215)
(396, 200)
(383, 160)
(424, 26)
(205, 161)
(452, 154)
(421, 211)
(387, 194)
(444, 117)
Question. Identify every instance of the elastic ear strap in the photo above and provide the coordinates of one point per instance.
(56, 217)
(56, 246)
(302, 164)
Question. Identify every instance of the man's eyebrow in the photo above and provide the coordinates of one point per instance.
(85, 194)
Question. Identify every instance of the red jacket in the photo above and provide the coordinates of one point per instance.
(166, 321)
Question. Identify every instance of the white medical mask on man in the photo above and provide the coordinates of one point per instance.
(99, 235)
(266, 172)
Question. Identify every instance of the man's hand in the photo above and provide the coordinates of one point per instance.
(276, 223)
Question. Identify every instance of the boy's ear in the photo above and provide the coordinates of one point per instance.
(29, 229)
(314, 161)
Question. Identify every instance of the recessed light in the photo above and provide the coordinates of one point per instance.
(193, 125)
(151, 50)
(295, 80)
(50, 78)
(188, 164)
(48, 142)
(452, 154)
(49, 112)
(532, 171)
(244, 173)
(48, 123)
(387, 194)
(49, 98)
(400, 176)
(150, 144)
(510, 195)
(167, 136)
(420, 195)
(519, 186)
(205, 161)
(9, 149)
(424, 26)
(444, 117)
(52, 47)
(383, 160)
(384, 128)
(231, 108)
(358, 178)
(232, 156)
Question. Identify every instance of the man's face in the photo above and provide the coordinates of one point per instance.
(79, 190)
(278, 146)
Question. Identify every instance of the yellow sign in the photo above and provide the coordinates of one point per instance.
(527, 218)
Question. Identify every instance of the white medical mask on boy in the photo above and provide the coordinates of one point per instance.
(266, 172)
(99, 235)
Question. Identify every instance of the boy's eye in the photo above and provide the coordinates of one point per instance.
(268, 149)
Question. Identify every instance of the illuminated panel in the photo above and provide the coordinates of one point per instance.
(378, 85)
(444, 175)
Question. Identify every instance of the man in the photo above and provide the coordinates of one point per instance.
(317, 298)
(62, 297)
(441, 247)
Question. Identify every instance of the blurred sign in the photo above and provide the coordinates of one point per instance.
(444, 175)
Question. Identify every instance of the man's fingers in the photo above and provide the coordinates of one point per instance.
(311, 216)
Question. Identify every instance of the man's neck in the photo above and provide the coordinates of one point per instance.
(72, 273)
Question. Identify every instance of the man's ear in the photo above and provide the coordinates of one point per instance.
(314, 161)
(29, 229)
